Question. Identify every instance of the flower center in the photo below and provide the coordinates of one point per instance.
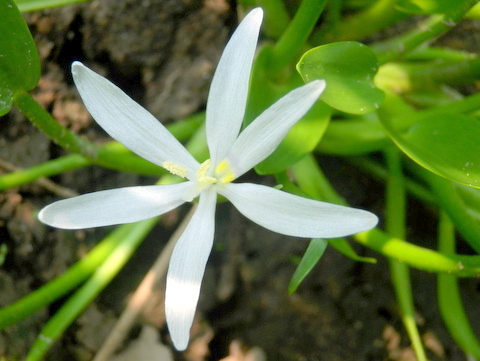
(202, 176)
(202, 180)
(224, 172)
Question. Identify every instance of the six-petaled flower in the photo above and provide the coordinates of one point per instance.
(232, 153)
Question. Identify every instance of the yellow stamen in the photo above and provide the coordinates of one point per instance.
(175, 168)
(224, 172)
(203, 178)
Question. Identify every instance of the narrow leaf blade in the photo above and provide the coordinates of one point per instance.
(312, 255)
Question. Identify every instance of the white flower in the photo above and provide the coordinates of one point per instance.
(231, 155)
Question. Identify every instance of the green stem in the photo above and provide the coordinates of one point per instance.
(84, 268)
(419, 257)
(378, 171)
(449, 298)
(353, 137)
(58, 287)
(362, 24)
(432, 27)
(131, 238)
(46, 169)
(37, 5)
(330, 21)
(395, 226)
(276, 17)
(436, 53)
(292, 40)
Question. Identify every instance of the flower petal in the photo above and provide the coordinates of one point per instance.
(128, 122)
(186, 270)
(228, 92)
(264, 134)
(114, 206)
(292, 215)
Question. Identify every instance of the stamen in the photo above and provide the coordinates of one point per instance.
(203, 181)
(224, 172)
(203, 178)
(175, 168)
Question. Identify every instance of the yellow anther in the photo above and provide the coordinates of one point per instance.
(202, 176)
(175, 168)
(224, 172)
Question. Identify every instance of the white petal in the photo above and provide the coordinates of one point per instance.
(265, 133)
(292, 215)
(186, 270)
(114, 206)
(228, 92)
(128, 122)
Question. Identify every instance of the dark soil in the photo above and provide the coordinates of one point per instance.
(163, 53)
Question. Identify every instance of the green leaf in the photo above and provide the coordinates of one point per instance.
(312, 255)
(19, 62)
(348, 68)
(304, 136)
(342, 246)
(36, 5)
(446, 144)
(426, 6)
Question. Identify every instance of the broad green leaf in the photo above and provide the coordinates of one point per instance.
(312, 255)
(348, 68)
(19, 62)
(426, 6)
(36, 5)
(304, 136)
(445, 144)
(5, 99)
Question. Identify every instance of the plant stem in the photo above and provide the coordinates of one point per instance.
(353, 137)
(419, 257)
(449, 298)
(432, 27)
(276, 17)
(362, 24)
(85, 267)
(58, 287)
(46, 169)
(130, 239)
(292, 40)
(378, 171)
(395, 226)
(36, 5)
